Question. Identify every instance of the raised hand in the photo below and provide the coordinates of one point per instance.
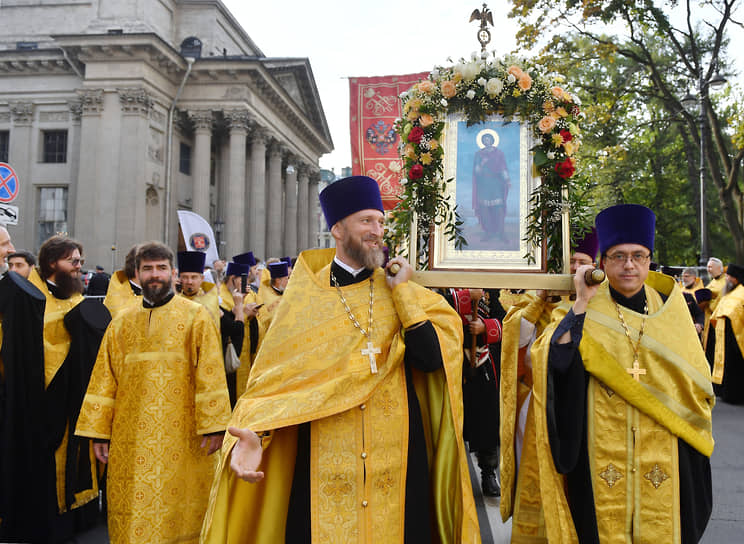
(246, 455)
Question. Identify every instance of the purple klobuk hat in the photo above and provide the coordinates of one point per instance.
(349, 195)
(245, 258)
(589, 244)
(287, 260)
(701, 295)
(736, 271)
(237, 269)
(191, 261)
(625, 224)
(278, 270)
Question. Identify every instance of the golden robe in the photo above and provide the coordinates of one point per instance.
(632, 426)
(248, 352)
(716, 286)
(119, 294)
(56, 346)
(731, 307)
(157, 386)
(270, 300)
(520, 489)
(208, 297)
(314, 371)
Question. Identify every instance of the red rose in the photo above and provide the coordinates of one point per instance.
(415, 135)
(566, 168)
(416, 172)
(566, 135)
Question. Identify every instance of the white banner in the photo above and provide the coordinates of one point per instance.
(198, 235)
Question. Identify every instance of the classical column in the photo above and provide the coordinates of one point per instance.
(202, 120)
(238, 125)
(290, 209)
(302, 208)
(24, 234)
(257, 217)
(275, 202)
(314, 211)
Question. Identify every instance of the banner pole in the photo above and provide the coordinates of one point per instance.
(566, 228)
(413, 241)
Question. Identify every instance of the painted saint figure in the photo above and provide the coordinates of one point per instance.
(490, 184)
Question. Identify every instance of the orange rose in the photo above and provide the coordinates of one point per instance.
(448, 89)
(557, 92)
(426, 120)
(516, 71)
(415, 103)
(525, 81)
(426, 86)
(546, 124)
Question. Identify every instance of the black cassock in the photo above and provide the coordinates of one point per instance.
(33, 419)
(731, 389)
(566, 418)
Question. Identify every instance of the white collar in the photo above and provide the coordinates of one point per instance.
(346, 267)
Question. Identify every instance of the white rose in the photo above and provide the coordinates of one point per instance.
(511, 78)
(494, 86)
(443, 102)
(470, 94)
(482, 81)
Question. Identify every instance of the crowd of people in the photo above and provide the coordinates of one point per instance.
(332, 399)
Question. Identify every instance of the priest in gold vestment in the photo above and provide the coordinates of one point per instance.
(623, 399)
(124, 289)
(727, 346)
(157, 405)
(270, 293)
(193, 286)
(359, 408)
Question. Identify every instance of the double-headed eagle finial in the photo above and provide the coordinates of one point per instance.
(486, 18)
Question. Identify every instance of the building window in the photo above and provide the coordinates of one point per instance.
(55, 146)
(4, 145)
(52, 212)
(184, 160)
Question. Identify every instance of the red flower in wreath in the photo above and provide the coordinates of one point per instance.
(415, 135)
(566, 168)
(566, 135)
(416, 172)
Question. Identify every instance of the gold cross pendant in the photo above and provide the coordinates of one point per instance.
(370, 352)
(636, 371)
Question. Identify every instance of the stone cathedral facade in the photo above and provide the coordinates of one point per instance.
(117, 113)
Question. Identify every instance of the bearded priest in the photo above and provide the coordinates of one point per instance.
(350, 429)
(623, 401)
(156, 406)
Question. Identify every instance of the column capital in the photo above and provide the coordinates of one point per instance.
(135, 100)
(202, 119)
(303, 170)
(276, 148)
(22, 113)
(92, 101)
(260, 135)
(76, 108)
(238, 119)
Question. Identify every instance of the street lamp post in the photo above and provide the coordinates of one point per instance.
(689, 101)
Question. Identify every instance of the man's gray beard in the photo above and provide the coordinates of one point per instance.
(156, 294)
(728, 288)
(369, 258)
(67, 284)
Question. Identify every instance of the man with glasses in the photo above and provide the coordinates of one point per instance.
(626, 401)
(50, 338)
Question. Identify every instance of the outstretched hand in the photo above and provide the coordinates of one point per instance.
(246, 455)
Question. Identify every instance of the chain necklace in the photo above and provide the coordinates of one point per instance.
(636, 370)
(370, 350)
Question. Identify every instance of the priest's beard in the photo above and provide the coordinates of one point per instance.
(728, 287)
(67, 284)
(368, 257)
(156, 290)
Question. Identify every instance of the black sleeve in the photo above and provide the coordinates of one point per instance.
(232, 331)
(253, 332)
(566, 395)
(695, 492)
(422, 348)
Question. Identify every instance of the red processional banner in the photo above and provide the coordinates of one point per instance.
(375, 105)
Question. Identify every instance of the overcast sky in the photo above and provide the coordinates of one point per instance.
(345, 38)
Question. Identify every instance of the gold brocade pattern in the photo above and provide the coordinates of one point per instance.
(656, 476)
(158, 385)
(313, 370)
(247, 353)
(270, 300)
(119, 295)
(56, 347)
(730, 307)
(610, 475)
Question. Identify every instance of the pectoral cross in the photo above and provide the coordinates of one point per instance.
(371, 351)
(636, 371)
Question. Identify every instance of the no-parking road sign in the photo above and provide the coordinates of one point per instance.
(8, 183)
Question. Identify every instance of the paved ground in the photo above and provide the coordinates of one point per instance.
(727, 522)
